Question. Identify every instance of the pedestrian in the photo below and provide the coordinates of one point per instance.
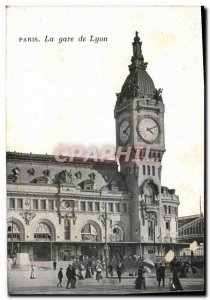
(120, 270)
(161, 274)
(176, 284)
(183, 270)
(140, 280)
(68, 275)
(73, 276)
(157, 271)
(32, 272)
(88, 270)
(98, 269)
(54, 265)
(60, 277)
(110, 269)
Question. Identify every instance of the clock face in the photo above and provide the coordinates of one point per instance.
(148, 130)
(125, 131)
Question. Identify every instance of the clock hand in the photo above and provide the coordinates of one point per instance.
(153, 127)
(126, 128)
(148, 129)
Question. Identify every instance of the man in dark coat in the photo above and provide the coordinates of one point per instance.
(73, 277)
(140, 279)
(161, 274)
(60, 277)
(68, 275)
(120, 269)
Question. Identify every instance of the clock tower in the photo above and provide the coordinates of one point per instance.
(139, 115)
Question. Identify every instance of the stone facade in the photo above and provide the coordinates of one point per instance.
(59, 210)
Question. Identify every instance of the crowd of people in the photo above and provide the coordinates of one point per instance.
(78, 270)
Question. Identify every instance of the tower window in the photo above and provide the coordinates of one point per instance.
(124, 207)
(82, 206)
(67, 229)
(11, 202)
(144, 170)
(50, 204)
(90, 206)
(19, 203)
(43, 204)
(97, 206)
(153, 170)
(148, 170)
(35, 203)
(110, 207)
(117, 207)
(168, 225)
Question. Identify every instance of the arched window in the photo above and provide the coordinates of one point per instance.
(43, 232)
(153, 170)
(148, 170)
(89, 233)
(144, 170)
(13, 231)
(118, 234)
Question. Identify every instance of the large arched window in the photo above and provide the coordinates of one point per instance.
(43, 232)
(13, 231)
(117, 234)
(89, 233)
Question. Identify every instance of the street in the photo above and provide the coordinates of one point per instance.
(19, 282)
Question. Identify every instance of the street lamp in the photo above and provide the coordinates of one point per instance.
(106, 248)
(50, 238)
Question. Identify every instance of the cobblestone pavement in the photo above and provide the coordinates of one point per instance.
(19, 282)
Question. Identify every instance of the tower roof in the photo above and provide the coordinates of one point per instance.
(138, 82)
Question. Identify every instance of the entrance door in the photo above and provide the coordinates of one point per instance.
(90, 251)
(41, 251)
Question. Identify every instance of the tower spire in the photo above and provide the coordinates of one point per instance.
(137, 58)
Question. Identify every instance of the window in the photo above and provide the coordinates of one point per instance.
(144, 170)
(123, 207)
(43, 204)
(11, 202)
(148, 170)
(50, 204)
(176, 226)
(43, 232)
(110, 207)
(90, 206)
(117, 207)
(89, 233)
(150, 230)
(82, 206)
(67, 229)
(165, 209)
(35, 203)
(97, 206)
(169, 210)
(19, 203)
(153, 171)
(167, 225)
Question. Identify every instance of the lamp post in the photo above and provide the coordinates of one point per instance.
(12, 239)
(104, 222)
(50, 237)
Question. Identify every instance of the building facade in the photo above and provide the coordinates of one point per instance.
(58, 210)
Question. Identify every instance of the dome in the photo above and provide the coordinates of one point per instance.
(141, 81)
(138, 83)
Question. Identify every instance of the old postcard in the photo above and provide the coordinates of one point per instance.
(105, 150)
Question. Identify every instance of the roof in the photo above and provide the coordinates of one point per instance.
(24, 168)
